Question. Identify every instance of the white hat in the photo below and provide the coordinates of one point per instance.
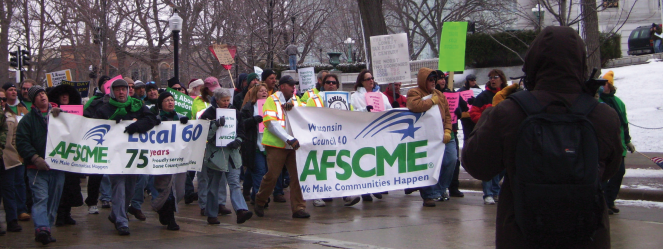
(196, 83)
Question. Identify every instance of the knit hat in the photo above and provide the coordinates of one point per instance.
(8, 85)
(151, 86)
(163, 96)
(266, 73)
(471, 77)
(102, 81)
(34, 90)
(118, 83)
(211, 83)
(610, 76)
(172, 81)
(196, 83)
(251, 77)
(138, 81)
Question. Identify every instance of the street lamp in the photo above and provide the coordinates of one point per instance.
(175, 24)
(349, 43)
(293, 28)
(538, 14)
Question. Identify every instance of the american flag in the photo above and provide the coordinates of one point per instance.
(658, 161)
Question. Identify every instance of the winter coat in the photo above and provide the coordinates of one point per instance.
(94, 103)
(554, 75)
(358, 100)
(218, 158)
(145, 119)
(416, 103)
(199, 105)
(20, 109)
(652, 33)
(31, 136)
(56, 92)
(167, 184)
(250, 142)
(9, 153)
(481, 102)
(616, 104)
(401, 100)
(238, 99)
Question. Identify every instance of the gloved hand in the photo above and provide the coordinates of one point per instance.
(465, 115)
(220, 122)
(470, 101)
(630, 147)
(288, 106)
(184, 120)
(257, 118)
(447, 136)
(131, 129)
(435, 99)
(369, 108)
(395, 104)
(234, 144)
(40, 163)
(158, 121)
(56, 111)
(294, 143)
(502, 94)
(118, 120)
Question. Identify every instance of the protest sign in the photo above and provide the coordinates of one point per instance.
(351, 153)
(337, 100)
(73, 109)
(222, 53)
(82, 87)
(453, 100)
(95, 146)
(54, 78)
(307, 78)
(260, 103)
(228, 132)
(390, 58)
(108, 83)
(183, 102)
(258, 71)
(465, 95)
(375, 99)
(452, 46)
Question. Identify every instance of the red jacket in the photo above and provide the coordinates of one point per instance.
(482, 102)
(402, 101)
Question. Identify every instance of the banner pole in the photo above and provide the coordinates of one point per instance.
(231, 78)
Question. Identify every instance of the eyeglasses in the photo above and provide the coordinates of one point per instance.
(132, 87)
(177, 89)
(494, 77)
(331, 82)
(371, 78)
(25, 89)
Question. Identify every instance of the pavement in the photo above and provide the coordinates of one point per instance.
(396, 221)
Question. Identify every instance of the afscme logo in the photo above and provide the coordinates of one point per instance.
(392, 118)
(97, 133)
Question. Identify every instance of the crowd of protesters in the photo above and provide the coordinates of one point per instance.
(257, 166)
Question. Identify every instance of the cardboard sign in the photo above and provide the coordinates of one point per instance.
(83, 87)
(390, 58)
(108, 83)
(73, 109)
(307, 78)
(452, 46)
(183, 102)
(260, 103)
(227, 133)
(222, 53)
(453, 100)
(54, 78)
(258, 71)
(375, 99)
(337, 100)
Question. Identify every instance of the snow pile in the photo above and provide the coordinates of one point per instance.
(640, 203)
(648, 173)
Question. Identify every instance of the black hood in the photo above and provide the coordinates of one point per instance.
(556, 62)
(74, 95)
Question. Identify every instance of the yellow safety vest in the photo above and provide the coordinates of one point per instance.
(273, 112)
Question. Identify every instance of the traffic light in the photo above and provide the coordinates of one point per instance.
(25, 58)
(13, 61)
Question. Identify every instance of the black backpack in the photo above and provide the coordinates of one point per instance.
(557, 193)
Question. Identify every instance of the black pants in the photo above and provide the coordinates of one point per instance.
(93, 184)
(612, 186)
(454, 181)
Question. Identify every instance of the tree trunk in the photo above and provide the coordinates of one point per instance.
(591, 33)
(6, 12)
(372, 20)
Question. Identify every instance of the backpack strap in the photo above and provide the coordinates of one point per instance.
(527, 102)
(584, 104)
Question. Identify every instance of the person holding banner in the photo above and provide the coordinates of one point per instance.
(421, 99)
(223, 164)
(122, 107)
(280, 147)
(46, 184)
(152, 92)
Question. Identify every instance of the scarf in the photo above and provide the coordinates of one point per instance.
(165, 116)
(133, 103)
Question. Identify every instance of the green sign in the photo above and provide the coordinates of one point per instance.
(452, 47)
(183, 102)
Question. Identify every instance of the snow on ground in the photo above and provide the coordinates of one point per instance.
(643, 187)
(640, 87)
(640, 203)
(650, 173)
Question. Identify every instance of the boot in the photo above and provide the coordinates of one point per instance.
(59, 220)
(166, 211)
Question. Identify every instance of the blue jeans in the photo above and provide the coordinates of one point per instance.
(446, 173)
(46, 188)
(12, 187)
(203, 181)
(123, 187)
(218, 179)
(105, 189)
(292, 59)
(139, 191)
(492, 188)
(657, 46)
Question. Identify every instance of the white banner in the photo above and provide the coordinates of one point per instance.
(390, 58)
(307, 78)
(346, 153)
(94, 146)
(227, 133)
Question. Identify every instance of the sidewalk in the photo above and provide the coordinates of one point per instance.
(643, 179)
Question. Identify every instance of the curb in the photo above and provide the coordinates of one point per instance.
(624, 193)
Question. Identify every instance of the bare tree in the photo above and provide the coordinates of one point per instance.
(6, 13)
(372, 21)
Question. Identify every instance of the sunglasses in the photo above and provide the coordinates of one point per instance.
(371, 78)
(494, 77)
(177, 89)
(432, 79)
(331, 82)
(132, 87)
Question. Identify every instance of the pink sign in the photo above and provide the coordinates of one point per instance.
(453, 100)
(73, 109)
(260, 103)
(375, 99)
(108, 83)
(467, 95)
